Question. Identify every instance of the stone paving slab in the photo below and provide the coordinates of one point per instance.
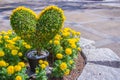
(116, 47)
(100, 54)
(99, 72)
(109, 13)
(106, 27)
(81, 17)
(87, 44)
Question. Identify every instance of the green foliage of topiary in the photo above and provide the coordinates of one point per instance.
(37, 30)
(24, 24)
(50, 23)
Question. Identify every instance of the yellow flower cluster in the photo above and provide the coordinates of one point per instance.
(79, 49)
(67, 72)
(67, 32)
(17, 68)
(57, 37)
(73, 42)
(14, 52)
(3, 63)
(18, 78)
(22, 64)
(9, 32)
(59, 55)
(2, 53)
(68, 51)
(12, 69)
(27, 46)
(71, 61)
(56, 42)
(43, 64)
(25, 9)
(63, 66)
(20, 54)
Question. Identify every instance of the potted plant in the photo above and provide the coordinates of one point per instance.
(37, 30)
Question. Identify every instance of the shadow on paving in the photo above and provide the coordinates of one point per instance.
(115, 64)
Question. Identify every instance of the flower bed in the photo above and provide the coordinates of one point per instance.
(62, 45)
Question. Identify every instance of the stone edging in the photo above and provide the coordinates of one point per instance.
(101, 63)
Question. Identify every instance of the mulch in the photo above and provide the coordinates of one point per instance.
(74, 74)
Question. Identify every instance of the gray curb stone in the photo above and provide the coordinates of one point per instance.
(101, 63)
(99, 72)
(100, 54)
(86, 44)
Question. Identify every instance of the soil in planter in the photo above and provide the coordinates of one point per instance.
(74, 74)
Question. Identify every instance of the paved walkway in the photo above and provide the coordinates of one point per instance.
(95, 22)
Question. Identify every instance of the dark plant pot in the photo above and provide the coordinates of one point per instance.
(33, 59)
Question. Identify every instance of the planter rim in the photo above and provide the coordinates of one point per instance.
(28, 55)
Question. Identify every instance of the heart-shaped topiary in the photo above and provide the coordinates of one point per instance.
(37, 30)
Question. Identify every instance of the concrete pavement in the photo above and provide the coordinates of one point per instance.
(95, 22)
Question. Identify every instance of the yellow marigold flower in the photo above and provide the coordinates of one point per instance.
(72, 41)
(66, 29)
(43, 66)
(57, 37)
(50, 41)
(20, 54)
(10, 41)
(68, 51)
(2, 53)
(78, 33)
(9, 32)
(0, 36)
(2, 63)
(3, 32)
(37, 71)
(22, 64)
(18, 78)
(10, 70)
(73, 32)
(45, 62)
(24, 43)
(67, 72)
(10, 46)
(40, 61)
(27, 46)
(63, 66)
(71, 61)
(14, 52)
(79, 49)
(73, 46)
(59, 56)
(6, 37)
(65, 34)
(56, 42)
(17, 68)
(15, 39)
